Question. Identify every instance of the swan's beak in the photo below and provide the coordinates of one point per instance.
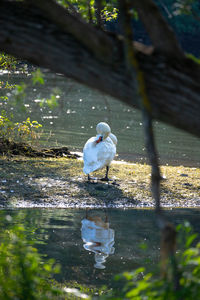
(100, 139)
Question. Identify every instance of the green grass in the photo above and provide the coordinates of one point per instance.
(58, 179)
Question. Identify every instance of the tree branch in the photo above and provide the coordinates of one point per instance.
(161, 34)
(173, 87)
(94, 40)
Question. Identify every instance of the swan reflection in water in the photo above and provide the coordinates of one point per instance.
(98, 238)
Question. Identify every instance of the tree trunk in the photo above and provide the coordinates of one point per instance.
(172, 86)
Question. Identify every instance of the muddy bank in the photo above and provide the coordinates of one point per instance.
(60, 182)
(11, 148)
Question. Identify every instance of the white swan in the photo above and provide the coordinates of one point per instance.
(100, 150)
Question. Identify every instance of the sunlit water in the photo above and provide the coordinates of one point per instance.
(80, 109)
(61, 231)
(127, 231)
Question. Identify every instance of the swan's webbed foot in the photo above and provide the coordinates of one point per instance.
(91, 180)
(115, 183)
(105, 179)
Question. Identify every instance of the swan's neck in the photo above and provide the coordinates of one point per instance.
(105, 135)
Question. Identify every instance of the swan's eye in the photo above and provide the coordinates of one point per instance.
(100, 139)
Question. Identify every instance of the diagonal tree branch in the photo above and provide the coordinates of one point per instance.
(161, 34)
(173, 87)
(93, 39)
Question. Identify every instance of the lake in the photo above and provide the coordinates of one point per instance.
(65, 232)
(61, 231)
(80, 108)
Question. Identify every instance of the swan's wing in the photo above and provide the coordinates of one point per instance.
(97, 156)
(89, 152)
(107, 153)
(113, 138)
(90, 156)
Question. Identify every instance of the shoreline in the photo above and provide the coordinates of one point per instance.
(128, 158)
(60, 183)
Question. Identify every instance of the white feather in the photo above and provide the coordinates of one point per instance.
(99, 155)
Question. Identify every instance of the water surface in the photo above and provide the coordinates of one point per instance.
(60, 230)
(81, 108)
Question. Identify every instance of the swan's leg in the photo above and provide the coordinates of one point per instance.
(106, 176)
(91, 179)
(107, 170)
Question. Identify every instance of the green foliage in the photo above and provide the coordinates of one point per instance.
(82, 7)
(52, 101)
(23, 275)
(109, 13)
(7, 62)
(6, 85)
(140, 285)
(87, 9)
(6, 125)
(19, 95)
(25, 131)
(182, 15)
(37, 77)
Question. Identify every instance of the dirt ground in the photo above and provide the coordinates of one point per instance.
(60, 182)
